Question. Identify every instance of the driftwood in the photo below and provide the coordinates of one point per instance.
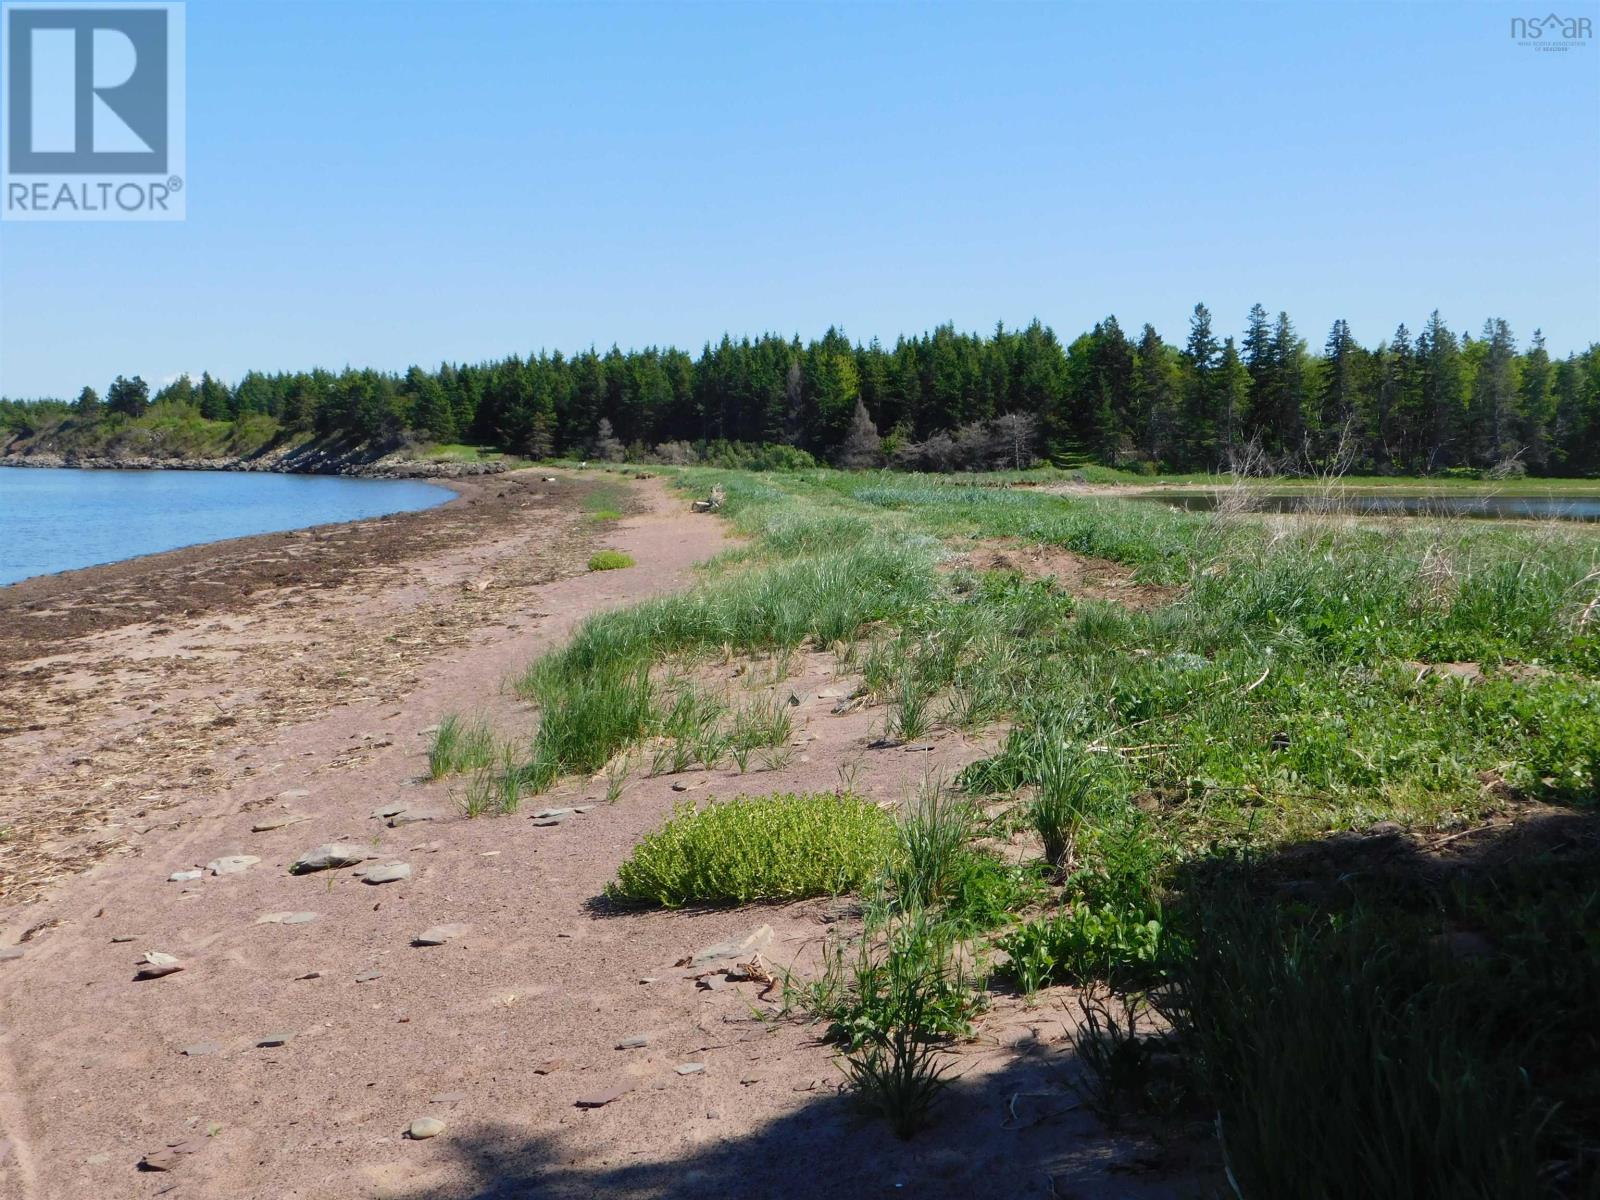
(712, 504)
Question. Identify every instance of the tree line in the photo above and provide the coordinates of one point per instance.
(946, 400)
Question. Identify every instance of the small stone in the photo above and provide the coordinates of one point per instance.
(368, 976)
(689, 1068)
(749, 1080)
(273, 1039)
(448, 1098)
(440, 934)
(713, 1114)
(160, 1160)
(546, 822)
(286, 918)
(153, 964)
(741, 946)
(97, 1160)
(201, 1049)
(711, 983)
(412, 816)
(184, 876)
(231, 864)
(277, 821)
(680, 786)
(637, 1042)
(427, 731)
(550, 1066)
(325, 857)
(390, 873)
(552, 812)
(294, 794)
(424, 1128)
(118, 939)
(583, 808)
(11, 953)
(603, 1097)
(647, 979)
(308, 975)
(919, 748)
(385, 811)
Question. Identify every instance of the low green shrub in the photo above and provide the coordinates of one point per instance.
(609, 560)
(779, 847)
(1082, 945)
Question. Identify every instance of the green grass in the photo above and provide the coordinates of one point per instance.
(606, 499)
(1275, 700)
(1351, 1054)
(609, 560)
(779, 847)
(1455, 483)
(460, 452)
(460, 746)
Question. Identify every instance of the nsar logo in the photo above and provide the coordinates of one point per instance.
(1551, 32)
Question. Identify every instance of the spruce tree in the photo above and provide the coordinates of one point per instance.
(1337, 400)
(1233, 389)
(1439, 394)
(130, 397)
(1156, 398)
(1201, 418)
(1536, 400)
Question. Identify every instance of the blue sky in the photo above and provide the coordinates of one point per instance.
(382, 183)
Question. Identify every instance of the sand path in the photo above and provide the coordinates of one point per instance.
(500, 1032)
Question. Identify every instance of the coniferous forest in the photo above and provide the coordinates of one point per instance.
(1416, 403)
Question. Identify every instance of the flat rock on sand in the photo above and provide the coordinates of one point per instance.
(231, 864)
(605, 1094)
(740, 946)
(388, 873)
(153, 964)
(325, 858)
(286, 918)
(438, 935)
(277, 821)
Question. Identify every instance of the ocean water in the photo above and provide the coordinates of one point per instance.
(57, 520)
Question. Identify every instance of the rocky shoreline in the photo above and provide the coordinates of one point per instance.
(306, 459)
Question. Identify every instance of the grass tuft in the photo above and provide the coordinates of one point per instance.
(459, 747)
(609, 560)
